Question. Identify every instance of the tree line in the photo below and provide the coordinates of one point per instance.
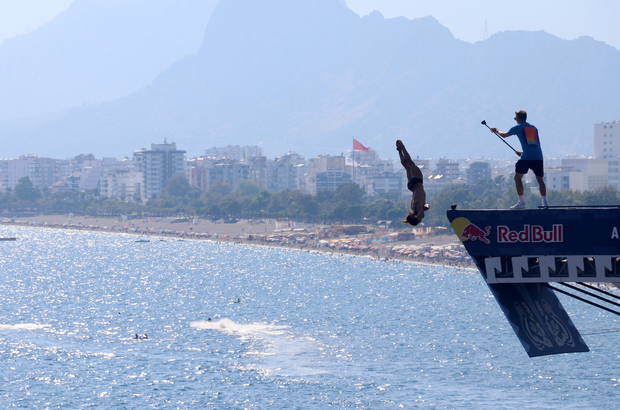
(347, 204)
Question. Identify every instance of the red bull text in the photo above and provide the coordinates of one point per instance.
(534, 234)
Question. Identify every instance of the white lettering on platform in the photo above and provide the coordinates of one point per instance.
(614, 233)
(533, 233)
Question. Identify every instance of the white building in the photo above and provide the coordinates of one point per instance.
(607, 140)
(234, 152)
(123, 184)
(326, 172)
(227, 171)
(197, 173)
(283, 172)
(558, 178)
(43, 172)
(93, 174)
(204, 172)
(607, 146)
(578, 174)
(11, 170)
(385, 182)
(157, 165)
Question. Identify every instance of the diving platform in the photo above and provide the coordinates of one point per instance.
(542, 245)
(521, 252)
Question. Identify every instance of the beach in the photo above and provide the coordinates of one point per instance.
(444, 250)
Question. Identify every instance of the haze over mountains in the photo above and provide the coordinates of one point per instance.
(97, 50)
(302, 76)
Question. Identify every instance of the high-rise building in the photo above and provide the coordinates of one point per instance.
(258, 170)
(607, 140)
(11, 170)
(158, 165)
(43, 172)
(606, 137)
(228, 171)
(478, 170)
(448, 169)
(282, 173)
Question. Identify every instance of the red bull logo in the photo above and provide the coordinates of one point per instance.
(469, 231)
(533, 233)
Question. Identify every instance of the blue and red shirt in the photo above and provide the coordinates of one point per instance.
(530, 143)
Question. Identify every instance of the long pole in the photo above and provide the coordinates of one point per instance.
(499, 136)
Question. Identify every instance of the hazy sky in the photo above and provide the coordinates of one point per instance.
(21, 16)
(566, 19)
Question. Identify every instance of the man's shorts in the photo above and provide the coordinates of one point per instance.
(412, 182)
(536, 165)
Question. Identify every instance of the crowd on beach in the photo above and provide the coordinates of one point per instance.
(317, 238)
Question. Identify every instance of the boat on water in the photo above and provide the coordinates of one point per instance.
(526, 256)
(143, 240)
(8, 239)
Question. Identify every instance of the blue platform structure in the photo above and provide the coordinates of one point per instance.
(521, 253)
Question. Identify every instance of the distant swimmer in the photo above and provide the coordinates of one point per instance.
(238, 300)
(415, 181)
(137, 336)
(208, 320)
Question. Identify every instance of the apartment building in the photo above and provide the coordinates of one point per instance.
(478, 170)
(158, 165)
(123, 184)
(283, 172)
(607, 140)
(235, 152)
(43, 172)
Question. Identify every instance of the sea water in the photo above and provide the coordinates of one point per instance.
(289, 329)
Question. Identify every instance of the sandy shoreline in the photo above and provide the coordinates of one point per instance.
(238, 233)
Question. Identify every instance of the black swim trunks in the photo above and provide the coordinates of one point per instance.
(413, 181)
(536, 165)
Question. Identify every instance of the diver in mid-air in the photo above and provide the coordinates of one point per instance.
(415, 181)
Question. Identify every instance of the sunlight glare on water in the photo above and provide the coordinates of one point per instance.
(288, 329)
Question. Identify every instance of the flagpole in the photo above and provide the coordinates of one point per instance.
(353, 159)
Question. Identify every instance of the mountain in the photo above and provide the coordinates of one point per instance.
(309, 75)
(97, 50)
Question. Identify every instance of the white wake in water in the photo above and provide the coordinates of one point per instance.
(229, 327)
(23, 326)
(275, 350)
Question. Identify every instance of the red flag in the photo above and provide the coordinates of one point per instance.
(358, 146)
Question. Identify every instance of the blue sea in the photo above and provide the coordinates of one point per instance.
(289, 329)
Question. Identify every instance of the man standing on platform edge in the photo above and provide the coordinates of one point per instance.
(530, 158)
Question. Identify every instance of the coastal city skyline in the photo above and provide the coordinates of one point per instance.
(145, 174)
